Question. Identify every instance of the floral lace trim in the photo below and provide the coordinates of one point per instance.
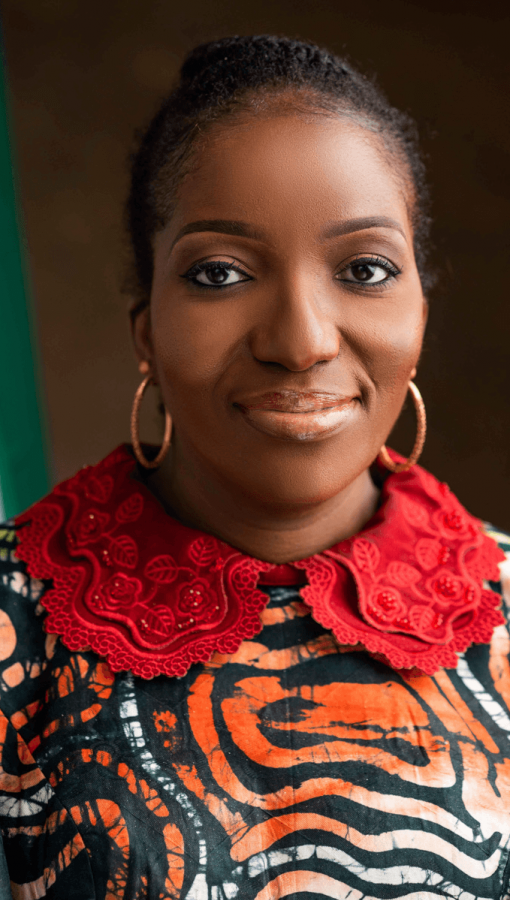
(409, 588)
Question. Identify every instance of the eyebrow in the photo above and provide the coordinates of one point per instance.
(221, 226)
(242, 229)
(350, 225)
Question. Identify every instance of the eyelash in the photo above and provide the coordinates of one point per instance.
(192, 273)
(380, 261)
(392, 270)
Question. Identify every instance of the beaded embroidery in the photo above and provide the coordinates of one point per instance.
(154, 596)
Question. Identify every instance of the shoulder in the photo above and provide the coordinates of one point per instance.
(502, 539)
(23, 641)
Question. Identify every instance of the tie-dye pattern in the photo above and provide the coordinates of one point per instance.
(292, 769)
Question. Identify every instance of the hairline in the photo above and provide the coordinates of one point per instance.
(244, 106)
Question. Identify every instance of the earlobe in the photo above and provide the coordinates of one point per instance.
(142, 334)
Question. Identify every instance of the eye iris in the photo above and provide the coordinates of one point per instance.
(363, 272)
(217, 274)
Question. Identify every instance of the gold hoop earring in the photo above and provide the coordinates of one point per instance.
(137, 448)
(421, 432)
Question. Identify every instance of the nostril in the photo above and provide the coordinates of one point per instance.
(268, 363)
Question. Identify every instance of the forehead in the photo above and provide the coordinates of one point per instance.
(295, 171)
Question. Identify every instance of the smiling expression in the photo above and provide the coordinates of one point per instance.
(286, 311)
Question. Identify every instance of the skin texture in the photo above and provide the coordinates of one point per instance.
(296, 329)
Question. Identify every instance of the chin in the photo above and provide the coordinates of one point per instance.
(297, 479)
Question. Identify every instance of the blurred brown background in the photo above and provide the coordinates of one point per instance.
(84, 75)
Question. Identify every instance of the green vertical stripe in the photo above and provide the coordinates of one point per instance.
(23, 467)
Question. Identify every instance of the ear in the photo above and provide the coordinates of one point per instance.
(142, 335)
(425, 313)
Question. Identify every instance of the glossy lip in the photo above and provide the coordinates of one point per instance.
(298, 415)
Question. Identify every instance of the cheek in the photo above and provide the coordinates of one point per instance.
(389, 347)
(192, 343)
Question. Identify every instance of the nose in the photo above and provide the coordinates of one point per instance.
(298, 329)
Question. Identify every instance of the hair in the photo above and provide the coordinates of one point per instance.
(236, 75)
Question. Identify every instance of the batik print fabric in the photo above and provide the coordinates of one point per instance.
(290, 770)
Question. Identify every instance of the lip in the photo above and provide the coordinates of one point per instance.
(298, 415)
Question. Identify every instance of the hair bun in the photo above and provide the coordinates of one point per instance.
(239, 50)
(206, 55)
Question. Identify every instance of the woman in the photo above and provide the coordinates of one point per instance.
(267, 660)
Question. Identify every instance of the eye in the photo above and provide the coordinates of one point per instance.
(368, 271)
(216, 274)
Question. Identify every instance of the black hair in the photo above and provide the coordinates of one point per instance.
(236, 74)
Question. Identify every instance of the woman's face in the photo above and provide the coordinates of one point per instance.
(286, 312)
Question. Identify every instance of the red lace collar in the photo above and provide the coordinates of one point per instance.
(154, 596)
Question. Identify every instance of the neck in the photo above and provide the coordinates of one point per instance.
(273, 532)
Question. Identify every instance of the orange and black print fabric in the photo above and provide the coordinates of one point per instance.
(292, 769)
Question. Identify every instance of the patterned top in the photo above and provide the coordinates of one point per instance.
(291, 769)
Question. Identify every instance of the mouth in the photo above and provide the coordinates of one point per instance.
(298, 415)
